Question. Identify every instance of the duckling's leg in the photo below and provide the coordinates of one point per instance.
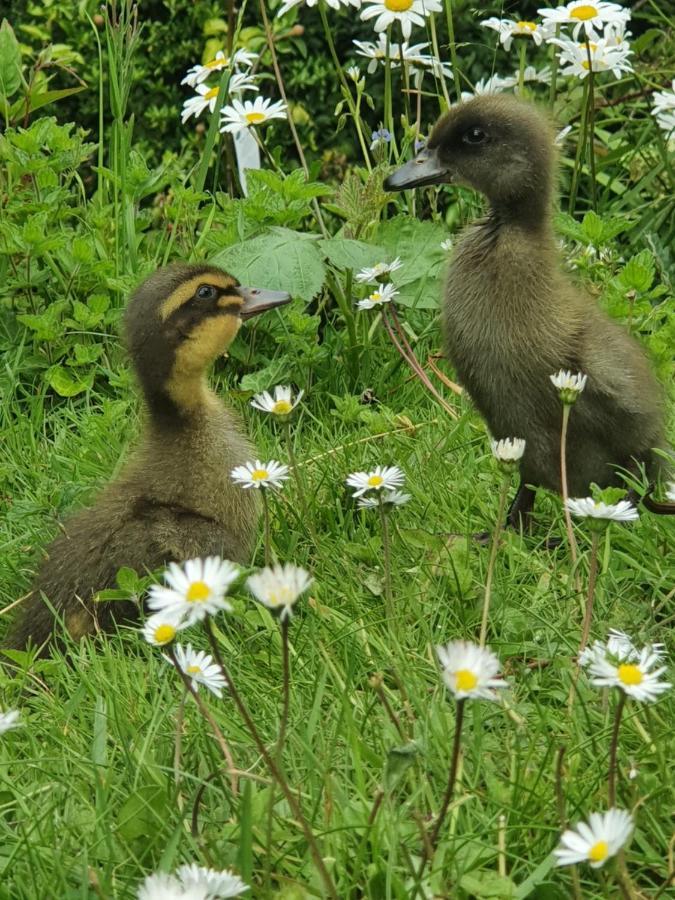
(519, 515)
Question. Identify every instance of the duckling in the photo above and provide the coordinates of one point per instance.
(174, 499)
(512, 318)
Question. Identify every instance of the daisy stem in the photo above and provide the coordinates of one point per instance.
(554, 70)
(388, 109)
(297, 476)
(613, 747)
(269, 37)
(386, 552)
(522, 53)
(437, 54)
(453, 49)
(571, 540)
(590, 112)
(180, 717)
(268, 530)
(494, 546)
(204, 710)
(581, 144)
(592, 579)
(275, 770)
(285, 688)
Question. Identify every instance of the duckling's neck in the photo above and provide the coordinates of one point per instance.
(180, 402)
(531, 213)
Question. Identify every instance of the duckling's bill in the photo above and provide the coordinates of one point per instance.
(425, 168)
(258, 300)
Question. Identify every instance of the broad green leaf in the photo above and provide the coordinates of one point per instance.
(638, 273)
(65, 383)
(349, 254)
(10, 61)
(399, 760)
(281, 259)
(418, 244)
(486, 884)
(36, 101)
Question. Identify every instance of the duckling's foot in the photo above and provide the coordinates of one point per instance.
(519, 515)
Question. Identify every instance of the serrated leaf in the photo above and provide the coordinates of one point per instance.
(418, 244)
(264, 379)
(346, 253)
(281, 259)
(638, 273)
(10, 61)
(65, 383)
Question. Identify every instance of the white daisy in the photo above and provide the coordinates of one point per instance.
(195, 590)
(260, 475)
(9, 720)
(588, 508)
(595, 842)
(495, 84)
(378, 271)
(200, 668)
(508, 450)
(195, 106)
(249, 114)
(162, 886)
(406, 12)
(282, 404)
(664, 112)
(531, 74)
(411, 53)
(386, 498)
(446, 244)
(383, 293)
(670, 491)
(470, 671)
(201, 72)
(569, 386)
(354, 73)
(603, 57)
(592, 17)
(279, 587)
(218, 884)
(382, 478)
(508, 29)
(635, 676)
(334, 4)
(163, 627)
(619, 647)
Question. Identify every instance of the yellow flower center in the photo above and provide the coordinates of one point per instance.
(598, 851)
(375, 480)
(629, 674)
(210, 95)
(465, 680)
(198, 592)
(164, 634)
(254, 118)
(527, 26)
(398, 5)
(282, 408)
(259, 474)
(217, 63)
(194, 670)
(376, 297)
(584, 12)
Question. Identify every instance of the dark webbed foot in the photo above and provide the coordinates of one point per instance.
(519, 515)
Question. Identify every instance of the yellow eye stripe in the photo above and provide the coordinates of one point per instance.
(186, 291)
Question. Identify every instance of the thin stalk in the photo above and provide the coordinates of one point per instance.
(592, 579)
(554, 70)
(453, 49)
(388, 105)
(268, 530)
(494, 546)
(571, 540)
(501, 846)
(437, 55)
(522, 53)
(386, 552)
(590, 110)
(297, 476)
(285, 687)
(613, 747)
(447, 797)
(180, 717)
(204, 710)
(275, 770)
(581, 146)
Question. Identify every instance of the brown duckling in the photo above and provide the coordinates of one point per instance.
(174, 499)
(512, 317)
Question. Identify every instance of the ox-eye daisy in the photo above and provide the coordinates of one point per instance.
(282, 404)
(638, 677)
(201, 72)
(194, 590)
(508, 451)
(200, 668)
(383, 293)
(596, 841)
(604, 55)
(469, 671)
(588, 508)
(240, 116)
(163, 627)
(207, 96)
(191, 883)
(508, 29)
(406, 12)
(379, 272)
(618, 647)
(279, 587)
(382, 478)
(334, 4)
(260, 474)
(589, 16)
(386, 498)
(569, 385)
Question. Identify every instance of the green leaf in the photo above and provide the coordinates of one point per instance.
(418, 244)
(281, 259)
(488, 884)
(348, 254)
(37, 101)
(399, 760)
(144, 813)
(264, 378)
(10, 61)
(638, 273)
(65, 383)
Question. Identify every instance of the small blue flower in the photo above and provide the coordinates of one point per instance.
(420, 144)
(381, 135)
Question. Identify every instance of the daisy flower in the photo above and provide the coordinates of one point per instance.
(9, 720)
(619, 647)
(201, 72)
(386, 498)
(595, 842)
(260, 475)
(334, 4)
(382, 478)
(378, 272)
(191, 883)
(638, 677)
(200, 668)
(446, 244)
(588, 508)
(670, 490)
(163, 627)
(195, 106)
(664, 112)
(282, 404)
(279, 587)
(493, 85)
(592, 17)
(406, 12)
(508, 29)
(411, 53)
(508, 450)
(603, 58)
(383, 293)
(240, 115)
(569, 386)
(469, 671)
(194, 590)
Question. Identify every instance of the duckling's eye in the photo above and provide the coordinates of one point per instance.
(206, 292)
(474, 135)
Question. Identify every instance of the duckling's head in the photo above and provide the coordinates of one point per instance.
(179, 320)
(496, 144)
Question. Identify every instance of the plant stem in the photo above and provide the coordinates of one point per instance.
(268, 530)
(297, 476)
(581, 145)
(613, 747)
(437, 55)
(386, 552)
(522, 53)
(554, 70)
(453, 49)
(592, 578)
(388, 105)
(590, 111)
(180, 716)
(571, 540)
(285, 687)
(275, 771)
(494, 546)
